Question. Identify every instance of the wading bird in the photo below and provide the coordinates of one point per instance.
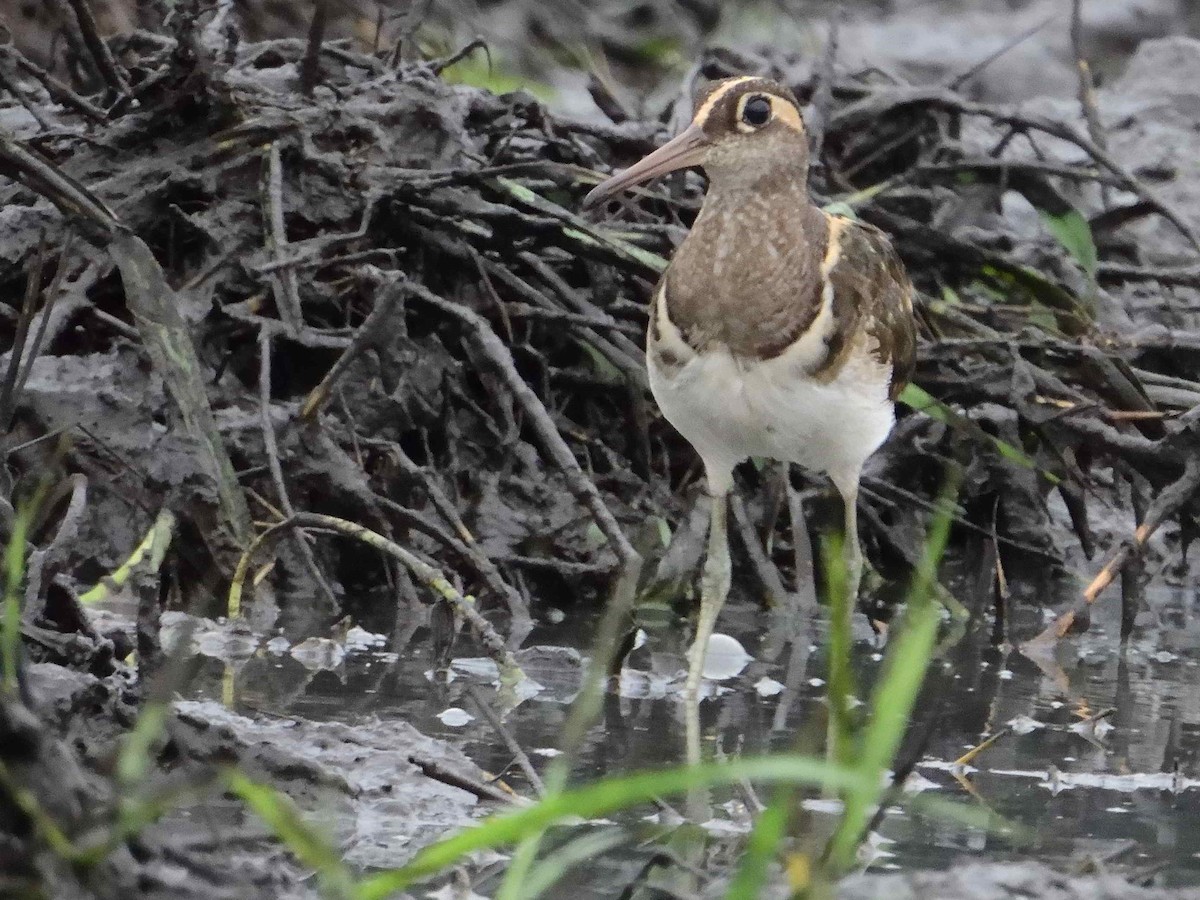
(778, 330)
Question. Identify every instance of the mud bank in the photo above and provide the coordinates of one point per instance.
(263, 286)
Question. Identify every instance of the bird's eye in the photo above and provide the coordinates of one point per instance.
(756, 111)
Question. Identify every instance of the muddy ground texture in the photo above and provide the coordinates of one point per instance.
(247, 284)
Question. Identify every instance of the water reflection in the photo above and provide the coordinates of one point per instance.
(1121, 786)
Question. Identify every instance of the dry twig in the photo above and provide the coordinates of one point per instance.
(101, 55)
(581, 486)
(310, 68)
(1165, 505)
(421, 570)
(271, 446)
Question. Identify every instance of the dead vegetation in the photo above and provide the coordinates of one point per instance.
(243, 304)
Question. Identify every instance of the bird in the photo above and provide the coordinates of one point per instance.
(778, 329)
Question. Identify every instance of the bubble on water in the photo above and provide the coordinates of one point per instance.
(479, 667)
(1024, 724)
(277, 646)
(768, 687)
(916, 782)
(455, 717)
(726, 658)
(360, 639)
(318, 654)
(635, 684)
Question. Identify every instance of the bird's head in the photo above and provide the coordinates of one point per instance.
(746, 130)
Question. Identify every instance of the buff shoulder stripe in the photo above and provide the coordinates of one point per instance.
(833, 246)
(665, 334)
(810, 349)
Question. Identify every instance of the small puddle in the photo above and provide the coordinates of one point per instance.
(1124, 787)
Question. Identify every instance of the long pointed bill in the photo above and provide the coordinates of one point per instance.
(685, 149)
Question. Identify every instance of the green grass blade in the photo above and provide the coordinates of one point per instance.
(550, 870)
(137, 750)
(14, 566)
(1072, 230)
(895, 692)
(646, 258)
(580, 231)
(602, 798)
(921, 401)
(14, 570)
(22, 798)
(973, 816)
(497, 78)
(284, 819)
(891, 705)
(151, 551)
(520, 869)
(761, 848)
(840, 676)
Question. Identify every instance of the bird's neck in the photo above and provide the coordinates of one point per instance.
(747, 205)
(770, 169)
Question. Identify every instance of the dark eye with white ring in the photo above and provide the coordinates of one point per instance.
(757, 111)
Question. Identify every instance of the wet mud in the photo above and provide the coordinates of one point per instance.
(260, 293)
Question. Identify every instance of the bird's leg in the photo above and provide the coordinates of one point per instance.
(714, 588)
(851, 549)
(841, 607)
(847, 485)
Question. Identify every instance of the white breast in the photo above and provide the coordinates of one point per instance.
(730, 408)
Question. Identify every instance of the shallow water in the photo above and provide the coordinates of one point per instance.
(1125, 791)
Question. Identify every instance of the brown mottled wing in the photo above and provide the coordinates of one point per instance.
(871, 287)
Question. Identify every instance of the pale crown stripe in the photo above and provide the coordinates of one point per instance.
(702, 113)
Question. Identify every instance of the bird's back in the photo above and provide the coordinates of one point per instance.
(807, 285)
(871, 296)
(817, 386)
